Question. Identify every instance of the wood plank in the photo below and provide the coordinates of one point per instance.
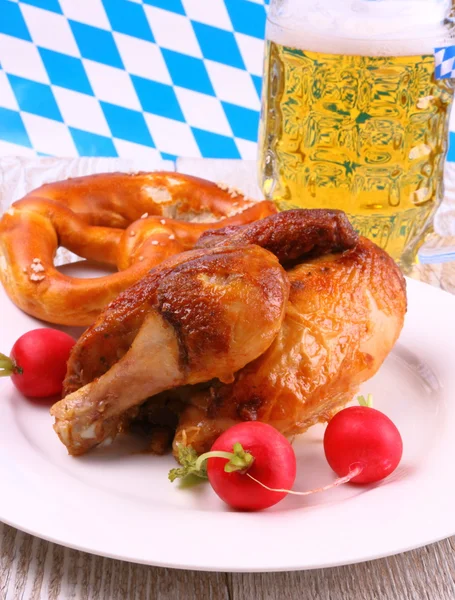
(33, 568)
(424, 574)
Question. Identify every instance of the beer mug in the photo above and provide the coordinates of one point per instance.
(355, 113)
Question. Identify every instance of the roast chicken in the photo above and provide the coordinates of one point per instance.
(279, 321)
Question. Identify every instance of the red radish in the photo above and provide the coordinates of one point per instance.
(273, 463)
(363, 437)
(37, 362)
(252, 466)
(246, 450)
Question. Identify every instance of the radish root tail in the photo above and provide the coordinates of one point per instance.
(355, 470)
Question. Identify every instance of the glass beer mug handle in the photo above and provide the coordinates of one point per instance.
(433, 256)
(440, 248)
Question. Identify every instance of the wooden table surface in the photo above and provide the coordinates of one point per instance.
(32, 569)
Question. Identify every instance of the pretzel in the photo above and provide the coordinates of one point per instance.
(131, 221)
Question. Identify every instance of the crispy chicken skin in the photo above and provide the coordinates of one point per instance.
(228, 334)
(290, 235)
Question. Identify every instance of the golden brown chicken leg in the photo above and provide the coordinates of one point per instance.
(204, 314)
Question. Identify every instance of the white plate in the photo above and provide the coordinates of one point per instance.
(119, 503)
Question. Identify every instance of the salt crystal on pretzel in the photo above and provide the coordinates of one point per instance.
(36, 267)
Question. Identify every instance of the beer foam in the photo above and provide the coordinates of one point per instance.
(361, 27)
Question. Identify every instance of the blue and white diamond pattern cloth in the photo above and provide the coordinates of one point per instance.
(444, 62)
(131, 77)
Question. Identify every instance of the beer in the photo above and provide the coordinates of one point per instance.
(363, 133)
